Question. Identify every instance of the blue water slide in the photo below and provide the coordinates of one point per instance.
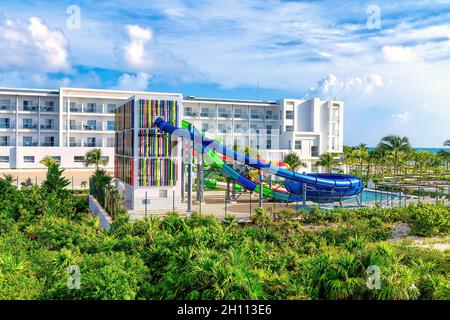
(317, 186)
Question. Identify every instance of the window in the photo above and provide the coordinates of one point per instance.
(110, 142)
(48, 124)
(28, 105)
(78, 158)
(205, 127)
(72, 125)
(106, 158)
(314, 151)
(4, 141)
(188, 111)
(5, 123)
(111, 125)
(269, 114)
(28, 159)
(221, 128)
(289, 114)
(91, 125)
(5, 104)
(27, 141)
(223, 113)
(269, 129)
(253, 128)
(289, 128)
(57, 158)
(298, 144)
(49, 141)
(49, 106)
(162, 193)
(111, 108)
(205, 112)
(254, 114)
(269, 144)
(91, 107)
(90, 142)
(27, 123)
(238, 113)
(4, 159)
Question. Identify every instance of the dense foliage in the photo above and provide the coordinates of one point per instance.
(280, 255)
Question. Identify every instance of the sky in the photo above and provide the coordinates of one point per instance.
(389, 61)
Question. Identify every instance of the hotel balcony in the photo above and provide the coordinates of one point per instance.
(241, 116)
(92, 144)
(49, 127)
(48, 144)
(76, 108)
(6, 144)
(91, 127)
(48, 109)
(90, 109)
(7, 107)
(190, 114)
(29, 108)
(224, 115)
(7, 126)
(29, 126)
(29, 144)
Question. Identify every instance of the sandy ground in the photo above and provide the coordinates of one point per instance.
(402, 232)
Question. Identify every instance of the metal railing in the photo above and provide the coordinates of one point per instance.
(29, 108)
(29, 126)
(48, 109)
(49, 127)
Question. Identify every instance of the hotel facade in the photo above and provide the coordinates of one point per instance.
(66, 123)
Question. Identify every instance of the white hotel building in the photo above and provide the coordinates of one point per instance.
(65, 123)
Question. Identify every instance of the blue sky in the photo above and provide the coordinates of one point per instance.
(388, 61)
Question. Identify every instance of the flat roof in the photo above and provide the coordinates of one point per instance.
(200, 99)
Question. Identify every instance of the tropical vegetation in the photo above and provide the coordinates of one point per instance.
(48, 240)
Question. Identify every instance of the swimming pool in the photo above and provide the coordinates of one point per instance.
(370, 196)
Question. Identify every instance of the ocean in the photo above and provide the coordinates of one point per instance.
(432, 150)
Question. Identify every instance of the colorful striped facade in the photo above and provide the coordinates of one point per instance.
(155, 154)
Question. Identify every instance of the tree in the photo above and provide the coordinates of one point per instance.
(360, 153)
(447, 143)
(294, 161)
(94, 157)
(27, 184)
(445, 156)
(328, 160)
(395, 145)
(54, 181)
(48, 161)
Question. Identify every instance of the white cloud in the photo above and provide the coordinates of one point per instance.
(399, 54)
(32, 46)
(135, 51)
(331, 86)
(402, 116)
(138, 82)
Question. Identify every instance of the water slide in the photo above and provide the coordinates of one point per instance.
(318, 187)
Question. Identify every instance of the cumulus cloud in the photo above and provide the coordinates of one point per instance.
(399, 54)
(331, 86)
(136, 52)
(137, 82)
(32, 45)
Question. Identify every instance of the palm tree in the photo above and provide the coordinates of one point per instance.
(294, 161)
(447, 143)
(347, 157)
(445, 156)
(48, 161)
(328, 160)
(395, 145)
(360, 153)
(95, 157)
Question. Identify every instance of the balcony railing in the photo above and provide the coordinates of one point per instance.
(75, 126)
(5, 144)
(48, 109)
(5, 107)
(92, 109)
(48, 144)
(75, 144)
(29, 144)
(7, 126)
(110, 128)
(48, 127)
(29, 108)
(206, 114)
(224, 115)
(190, 114)
(271, 117)
(76, 108)
(91, 128)
(92, 144)
(241, 116)
(29, 126)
